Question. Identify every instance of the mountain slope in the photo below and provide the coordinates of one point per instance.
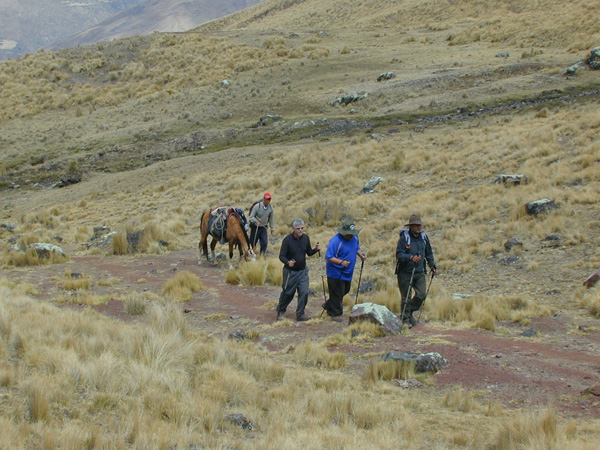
(156, 15)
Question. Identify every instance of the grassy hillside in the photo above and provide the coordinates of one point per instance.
(158, 138)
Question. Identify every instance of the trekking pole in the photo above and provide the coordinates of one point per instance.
(323, 280)
(426, 294)
(408, 293)
(362, 263)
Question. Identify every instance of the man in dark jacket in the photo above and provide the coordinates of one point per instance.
(411, 253)
(294, 248)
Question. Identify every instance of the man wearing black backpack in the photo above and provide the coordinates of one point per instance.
(261, 217)
(411, 253)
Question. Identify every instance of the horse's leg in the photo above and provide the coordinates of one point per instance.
(213, 244)
(230, 254)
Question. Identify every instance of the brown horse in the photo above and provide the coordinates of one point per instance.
(233, 223)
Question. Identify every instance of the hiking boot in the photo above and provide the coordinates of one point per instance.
(302, 318)
(412, 320)
(280, 316)
(337, 318)
(406, 321)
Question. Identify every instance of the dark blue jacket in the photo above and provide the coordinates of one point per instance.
(409, 245)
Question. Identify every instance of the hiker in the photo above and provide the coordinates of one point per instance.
(341, 258)
(411, 253)
(294, 248)
(261, 216)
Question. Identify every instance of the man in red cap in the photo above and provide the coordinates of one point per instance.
(261, 217)
(411, 253)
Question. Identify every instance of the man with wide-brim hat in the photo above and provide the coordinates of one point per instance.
(412, 251)
(342, 250)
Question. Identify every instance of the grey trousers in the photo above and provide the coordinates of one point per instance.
(294, 280)
(419, 285)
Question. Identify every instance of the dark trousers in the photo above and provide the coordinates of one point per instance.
(419, 286)
(337, 290)
(294, 280)
(259, 235)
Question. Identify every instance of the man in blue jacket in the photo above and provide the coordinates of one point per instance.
(411, 253)
(341, 259)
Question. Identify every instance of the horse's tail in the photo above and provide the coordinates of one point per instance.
(204, 233)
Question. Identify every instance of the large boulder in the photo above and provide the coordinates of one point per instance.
(594, 59)
(370, 186)
(45, 250)
(348, 98)
(542, 206)
(424, 362)
(592, 279)
(379, 314)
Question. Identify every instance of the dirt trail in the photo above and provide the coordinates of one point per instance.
(553, 367)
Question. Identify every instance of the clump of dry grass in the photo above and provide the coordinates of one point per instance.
(135, 304)
(529, 430)
(256, 273)
(314, 354)
(182, 286)
(30, 257)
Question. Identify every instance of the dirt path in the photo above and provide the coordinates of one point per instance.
(555, 366)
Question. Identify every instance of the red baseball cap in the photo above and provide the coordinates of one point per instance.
(267, 196)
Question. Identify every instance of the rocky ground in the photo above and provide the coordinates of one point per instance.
(556, 365)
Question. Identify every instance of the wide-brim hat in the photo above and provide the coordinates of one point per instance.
(348, 228)
(415, 219)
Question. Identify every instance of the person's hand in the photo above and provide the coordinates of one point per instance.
(318, 247)
(345, 263)
(272, 232)
(434, 270)
(416, 259)
(362, 256)
(291, 262)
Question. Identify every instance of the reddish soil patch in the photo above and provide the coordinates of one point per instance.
(555, 366)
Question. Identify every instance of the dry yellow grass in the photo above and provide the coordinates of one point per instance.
(182, 286)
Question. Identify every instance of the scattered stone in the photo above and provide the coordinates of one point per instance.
(502, 55)
(8, 226)
(225, 83)
(370, 186)
(531, 332)
(379, 314)
(594, 59)
(366, 286)
(458, 296)
(68, 179)
(266, 119)
(420, 129)
(240, 420)
(58, 238)
(45, 250)
(348, 98)
(134, 239)
(572, 70)
(510, 260)
(386, 76)
(512, 242)
(592, 279)
(101, 230)
(424, 362)
(238, 335)
(552, 237)
(511, 180)
(542, 206)
(410, 383)
(235, 316)
(594, 390)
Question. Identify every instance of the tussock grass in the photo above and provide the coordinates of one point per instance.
(182, 286)
(391, 370)
(135, 304)
(159, 383)
(256, 273)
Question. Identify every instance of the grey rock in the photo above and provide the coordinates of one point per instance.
(512, 242)
(9, 226)
(593, 61)
(592, 279)
(424, 362)
(348, 98)
(238, 335)
(529, 332)
(239, 420)
(379, 314)
(502, 55)
(542, 206)
(386, 76)
(370, 186)
(511, 180)
(45, 250)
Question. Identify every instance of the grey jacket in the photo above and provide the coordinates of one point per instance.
(259, 216)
